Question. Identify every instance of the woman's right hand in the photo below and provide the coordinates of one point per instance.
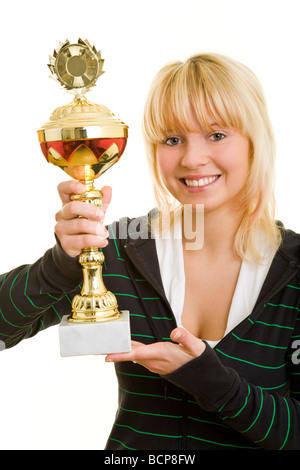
(79, 224)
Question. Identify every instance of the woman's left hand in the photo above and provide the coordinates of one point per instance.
(163, 358)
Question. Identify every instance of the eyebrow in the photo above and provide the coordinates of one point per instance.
(214, 124)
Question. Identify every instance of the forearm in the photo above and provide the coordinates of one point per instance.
(29, 294)
(270, 421)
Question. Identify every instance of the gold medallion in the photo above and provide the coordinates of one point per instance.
(76, 66)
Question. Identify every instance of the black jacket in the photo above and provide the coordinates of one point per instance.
(243, 394)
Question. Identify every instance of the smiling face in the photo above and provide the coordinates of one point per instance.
(205, 167)
(229, 164)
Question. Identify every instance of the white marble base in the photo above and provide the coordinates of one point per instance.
(78, 339)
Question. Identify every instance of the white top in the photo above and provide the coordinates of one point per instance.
(249, 284)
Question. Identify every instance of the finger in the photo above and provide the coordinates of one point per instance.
(125, 357)
(74, 244)
(66, 188)
(80, 226)
(75, 209)
(121, 357)
(190, 344)
(107, 194)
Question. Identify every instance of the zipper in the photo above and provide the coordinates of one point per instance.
(184, 421)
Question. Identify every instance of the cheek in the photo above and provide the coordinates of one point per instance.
(164, 164)
(237, 162)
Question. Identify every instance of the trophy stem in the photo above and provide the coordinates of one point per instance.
(94, 303)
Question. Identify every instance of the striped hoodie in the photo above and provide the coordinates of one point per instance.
(243, 394)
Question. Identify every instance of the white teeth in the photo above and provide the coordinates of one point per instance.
(201, 182)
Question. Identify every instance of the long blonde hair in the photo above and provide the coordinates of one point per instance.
(212, 86)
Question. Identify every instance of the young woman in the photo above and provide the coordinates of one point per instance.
(215, 328)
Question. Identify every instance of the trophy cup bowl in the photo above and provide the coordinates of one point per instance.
(84, 139)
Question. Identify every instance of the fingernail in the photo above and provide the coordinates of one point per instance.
(176, 336)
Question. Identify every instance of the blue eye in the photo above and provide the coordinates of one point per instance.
(172, 141)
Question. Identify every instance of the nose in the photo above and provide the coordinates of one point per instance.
(197, 154)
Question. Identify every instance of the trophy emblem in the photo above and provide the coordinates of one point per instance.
(85, 139)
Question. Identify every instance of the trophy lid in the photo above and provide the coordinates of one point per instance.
(77, 67)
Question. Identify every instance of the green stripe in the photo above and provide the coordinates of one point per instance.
(163, 338)
(241, 409)
(274, 388)
(104, 262)
(275, 324)
(68, 298)
(259, 411)
(256, 342)
(143, 336)
(25, 289)
(122, 275)
(24, 327)
(3, 280)
(149, 395)
(248, 362)
(151, 414)
(114, 238)
(116, 275)
(293, 287)
(51, 296)
(120, 442)
(137, 315)
(56, 312)
(148, 433)
(162, 318)
(29, 299)
(272, 421)
(223, 445)
(139, 375)
(208, 422)
(10, 296)
(289, 424)
(283, 305)
(150, 298)
(135, 296)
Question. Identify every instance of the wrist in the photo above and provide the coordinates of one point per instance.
(207, 379)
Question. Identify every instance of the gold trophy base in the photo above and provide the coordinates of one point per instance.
(83, 316)
(81, 339)
(90, 308)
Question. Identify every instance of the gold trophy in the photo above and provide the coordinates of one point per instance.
(85, 139)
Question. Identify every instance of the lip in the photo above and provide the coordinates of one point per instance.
(197, 189)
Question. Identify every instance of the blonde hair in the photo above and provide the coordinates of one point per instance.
(212, 86)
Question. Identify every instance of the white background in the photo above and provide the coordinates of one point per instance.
(49, 402)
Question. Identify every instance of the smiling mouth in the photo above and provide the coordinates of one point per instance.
(200, 182)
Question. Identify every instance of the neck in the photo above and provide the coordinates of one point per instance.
(218, 230)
